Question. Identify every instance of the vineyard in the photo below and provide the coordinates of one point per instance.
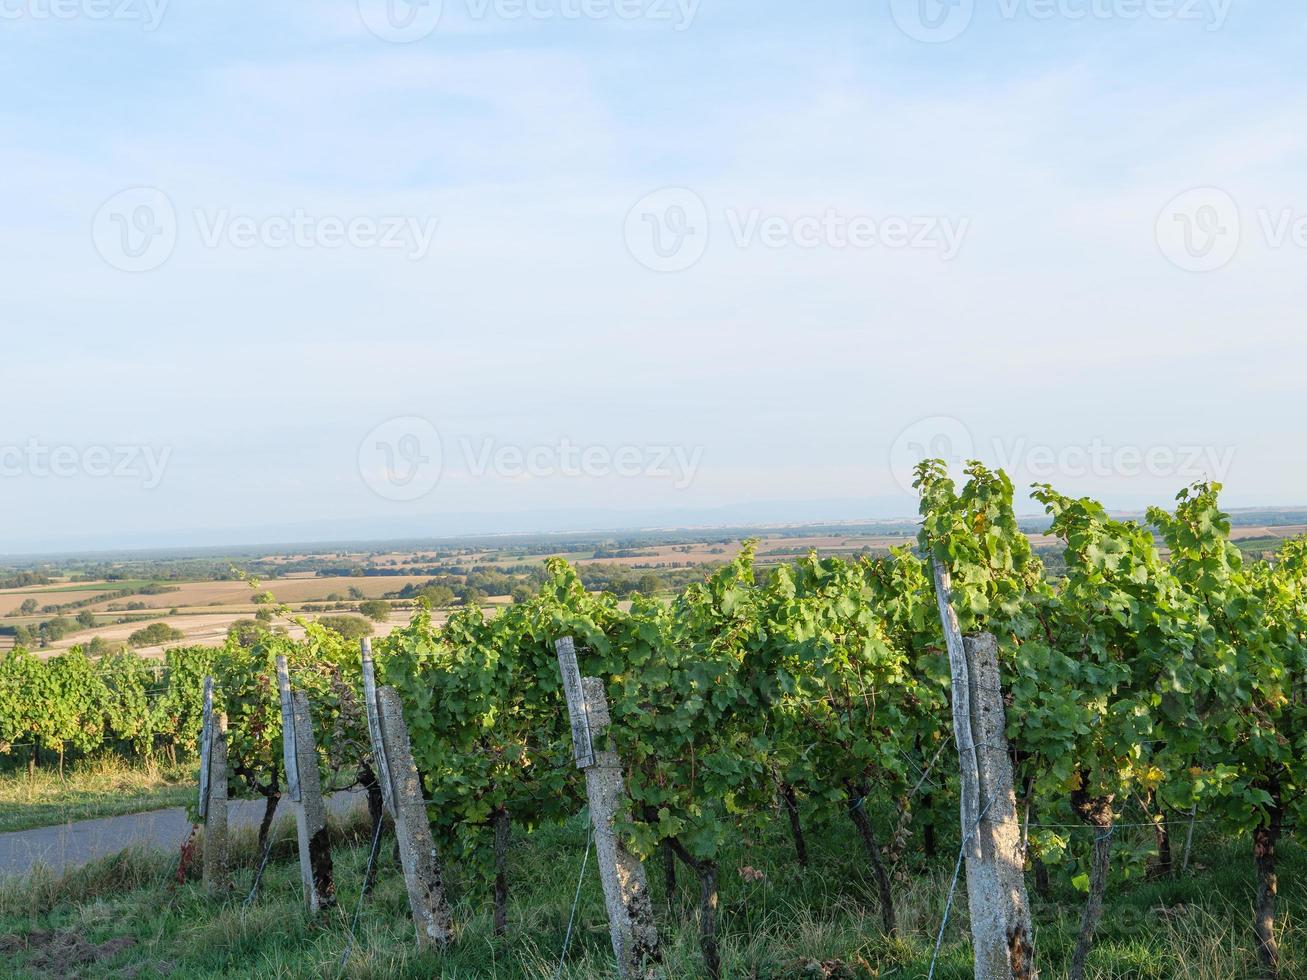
(1155, 685)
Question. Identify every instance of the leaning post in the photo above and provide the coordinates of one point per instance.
(1001, 932)
(401, 792)
(305, 789)
(625, 885)
(213, 795)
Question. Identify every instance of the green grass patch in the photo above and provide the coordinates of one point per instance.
(99, 787)
(116, 586)
(126, 917)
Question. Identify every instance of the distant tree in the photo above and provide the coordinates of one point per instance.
(350, 627)
(355, 592)
(649, 584)
(56, 629)
(438, 595)
(244, 632)
(377, 610)
(100, 647)
(154, 635)
(86, 619)
(522, 593)
(28, 607)
(472, 596)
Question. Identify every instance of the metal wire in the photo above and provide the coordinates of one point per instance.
(957, 869)
(576, 900)
(363, 893)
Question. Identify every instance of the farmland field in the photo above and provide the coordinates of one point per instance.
(203, 610)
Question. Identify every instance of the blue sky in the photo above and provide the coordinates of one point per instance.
(285, 273)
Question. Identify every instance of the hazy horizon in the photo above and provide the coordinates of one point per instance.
(454, 528)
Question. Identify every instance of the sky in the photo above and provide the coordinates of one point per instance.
(284, 271)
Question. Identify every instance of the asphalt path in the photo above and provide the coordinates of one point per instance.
(68, 845)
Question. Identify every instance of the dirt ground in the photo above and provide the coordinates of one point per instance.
(63, 953)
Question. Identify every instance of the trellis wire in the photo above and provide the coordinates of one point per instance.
(258, 874)
(363, 893)
(576, 900)
(957, 869)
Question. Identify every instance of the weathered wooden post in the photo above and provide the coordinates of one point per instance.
(213, 795)
(401, 791)
(1001, 932)
(304, 786)
(625, 885)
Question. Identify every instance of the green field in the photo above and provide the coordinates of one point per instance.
(115, 586)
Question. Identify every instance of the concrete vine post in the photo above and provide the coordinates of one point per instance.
(1001, 931)
(401, 791)
(213, 795)
(305, 789)
(625, 884)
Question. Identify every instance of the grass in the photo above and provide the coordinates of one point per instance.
(104, 786)
(123, 917)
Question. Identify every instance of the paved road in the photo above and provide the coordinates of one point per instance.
(68, 845)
